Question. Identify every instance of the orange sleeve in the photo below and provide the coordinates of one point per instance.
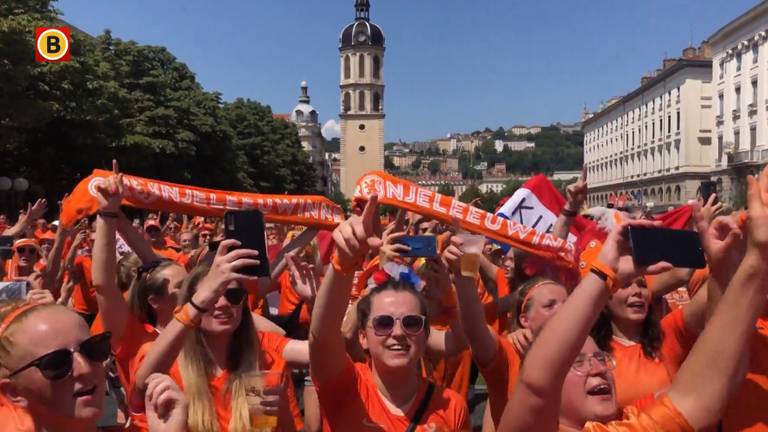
(661, 416)
(677, 343)
(334, 391)
(500, 376)
(83, 294)
(273, 343)
(697, 281)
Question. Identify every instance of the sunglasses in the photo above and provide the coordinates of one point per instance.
(235, 296)
(57, 364)
(26, 251)
(384, 325)
(583, 363)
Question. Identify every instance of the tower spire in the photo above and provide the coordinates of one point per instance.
(304, 98)
(362, 10)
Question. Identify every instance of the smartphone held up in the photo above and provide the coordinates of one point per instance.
(247, 227)
(681, 248)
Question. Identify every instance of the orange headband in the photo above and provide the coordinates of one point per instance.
(13, 315)
(25, 242)
(530, 292)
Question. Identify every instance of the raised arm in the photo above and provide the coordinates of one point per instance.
(535, 404)
(135, 240)
(113, 308)
(481, 338)
(53, 264)
(326, 343)
(25, 220)
(722, 346)
(168, 345)
(576, 194)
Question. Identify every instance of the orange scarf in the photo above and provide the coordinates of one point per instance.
(406, 195)
(309, 210)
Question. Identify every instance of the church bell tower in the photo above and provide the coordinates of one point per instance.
(361, 53)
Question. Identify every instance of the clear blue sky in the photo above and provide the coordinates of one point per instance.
(450, 65)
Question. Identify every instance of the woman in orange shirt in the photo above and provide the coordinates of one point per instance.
(562, 388)
(212, 343)
(52, 373)
(496, 356)
(388, 393)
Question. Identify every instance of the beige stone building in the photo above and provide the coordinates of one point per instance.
(740, 76)
(655, 143)
(361, 55)
(305, 117)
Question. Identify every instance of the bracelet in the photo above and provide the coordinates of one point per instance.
(109, 215)
(342, 267)
(182, 316)
(568, 212)
(197, 306)
(606, 274)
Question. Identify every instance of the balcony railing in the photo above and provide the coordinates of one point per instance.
(743, 156)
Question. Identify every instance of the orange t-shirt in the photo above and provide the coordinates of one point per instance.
(289, 299)
(748, 408)
(453, 372)
(501, 376)
(83, 294)
(14, 418)
(662, 416)
(636, 375)
(503, 290)
(171, 254)
(351, 402)
(272, 346)
(135, 335)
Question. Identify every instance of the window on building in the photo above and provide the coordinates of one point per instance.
(347, 67)
(736, 138)
(720, 104)
(633, 137)
(669, 123)
(738, 61)
(754, 92)
(361, 66)
(361, 100)
(722, 69)
(677, 123)
(653, 130)
(376, 105)
(755, 53)
(738, 98)
(347, 102)
(719, 147)
(752, 137)
(376, 67)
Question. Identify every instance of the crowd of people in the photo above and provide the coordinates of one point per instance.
(151, 324)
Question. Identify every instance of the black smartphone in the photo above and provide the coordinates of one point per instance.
(213, 246)
(421, 245)
(707, 188)
(6, 247)
(681, 248)
(247, 227)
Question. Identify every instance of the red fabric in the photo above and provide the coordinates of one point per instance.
(676, 218)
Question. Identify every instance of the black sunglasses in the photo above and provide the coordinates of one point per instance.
(235, 296)
(57, 364)
(384, 325)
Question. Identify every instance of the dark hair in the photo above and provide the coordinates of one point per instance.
(363, 307)
(651, 336)
(148, 283)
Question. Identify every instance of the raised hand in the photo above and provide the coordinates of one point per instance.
(40, 296)
(576, 192)
(224, 269)
(390, 249)
(711, 210)
(304, 276)
(521, 339)
(722, 241)
(166, 405)
(37, 210)
(355, 236)
(617, 254)
(757, 213)
(452, 255)
(110, 193)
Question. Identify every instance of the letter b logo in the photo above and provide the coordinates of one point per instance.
(52, 44)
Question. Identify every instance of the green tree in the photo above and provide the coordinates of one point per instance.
(511, 187)
(333, 145)
(499, 134)
(489, 201)
(434, 167)
(471, 193)
(416, 164)
(339, 198)
(446, 189)
(389, 164)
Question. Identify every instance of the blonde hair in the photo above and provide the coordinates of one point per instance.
(196, 366)
(12, 313)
